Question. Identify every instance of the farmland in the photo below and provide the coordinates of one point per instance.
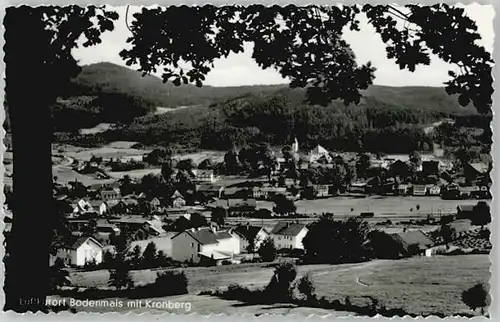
(419, 284)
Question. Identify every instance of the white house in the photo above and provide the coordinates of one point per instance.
(419, 190)
(403, 189)
(83, 250)
(82, 206)
(111, 194)
(357, 187)
(204, 175)
(248, 233)
(99, 206)
(434, 190)
(267, 192)
(288, 235)
(204, 245)
(178, 199)
(319, 152)
(321, 190)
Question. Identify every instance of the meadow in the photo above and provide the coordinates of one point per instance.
(419, 285)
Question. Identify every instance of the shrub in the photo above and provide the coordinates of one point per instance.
(306, 288)
(168, 283)
(120, 278)
(476, 297)
(280, 288)
(267, 250)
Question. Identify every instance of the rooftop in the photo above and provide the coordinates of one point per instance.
(287, 229)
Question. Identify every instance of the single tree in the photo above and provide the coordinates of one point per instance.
(280, 288)
(283, 205)
(267, 250)
(135, 255)
(476, 297)
(482, 214)
(150, 255)
(120, 278)
(306, 288)
(218, 216)
(198, 220)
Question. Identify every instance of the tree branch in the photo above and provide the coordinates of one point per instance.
(126, 19)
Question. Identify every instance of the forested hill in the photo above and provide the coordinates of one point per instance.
(108, 93)
(110, 78)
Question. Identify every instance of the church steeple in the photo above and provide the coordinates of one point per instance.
(295, 146)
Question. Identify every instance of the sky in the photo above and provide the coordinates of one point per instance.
(241, 69)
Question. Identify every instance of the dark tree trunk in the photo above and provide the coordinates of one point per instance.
(28, 91)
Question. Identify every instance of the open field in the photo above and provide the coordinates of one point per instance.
(112, 150)
(387, 207)
(436, 282)
(162, 110)
(134, 174)
(99, 128)
(66, 174)
(197, 157)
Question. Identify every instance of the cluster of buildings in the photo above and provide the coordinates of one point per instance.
(202, 245)
(144, 216)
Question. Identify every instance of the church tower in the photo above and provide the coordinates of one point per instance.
(295, 146)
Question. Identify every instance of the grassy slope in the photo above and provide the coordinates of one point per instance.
(420, 285)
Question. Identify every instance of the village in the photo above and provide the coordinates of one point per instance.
(220, 213)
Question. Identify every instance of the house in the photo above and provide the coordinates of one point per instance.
(318, 152)
(155, 203)
(467, 191)
(82, 206)
(99, 206)
(155, 227)
(204, 245)
(474, 171)
(357, 187)
(482, 192)
(288, 235)
(419, 190)
(380, 164)
(204, 175)
(163, 243)
(260, 193)
(104, 227)
(79, 251)
(248, 233)
(110, 194)
(321, 190)
(267, 192)
(434, 190)
(130, 221)
(240, 207)
(208, 191)
(445, 165)
(177, 200)
(412, 242)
